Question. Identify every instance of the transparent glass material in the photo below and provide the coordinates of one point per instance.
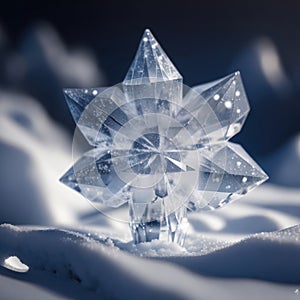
(160, 147)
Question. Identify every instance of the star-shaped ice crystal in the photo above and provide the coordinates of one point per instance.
(160, 146)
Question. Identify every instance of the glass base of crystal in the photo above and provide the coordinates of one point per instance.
(150, 222)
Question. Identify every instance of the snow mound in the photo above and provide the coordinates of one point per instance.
(272, 256)
(99, 264)
(34, 152)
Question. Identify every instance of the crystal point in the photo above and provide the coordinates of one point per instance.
(79, 99)
(151, 64)
(226, 172)
(220, 106)
(69, 179)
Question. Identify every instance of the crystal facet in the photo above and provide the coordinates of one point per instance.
(151, 64)
(160, 147)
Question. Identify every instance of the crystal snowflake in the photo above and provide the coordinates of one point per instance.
(161, 147)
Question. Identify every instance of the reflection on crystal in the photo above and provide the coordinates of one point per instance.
(160, 147)
(150, 221)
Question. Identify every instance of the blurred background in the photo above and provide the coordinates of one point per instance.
(47, 45)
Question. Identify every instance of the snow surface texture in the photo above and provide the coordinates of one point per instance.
(99, 265)
(248, 250)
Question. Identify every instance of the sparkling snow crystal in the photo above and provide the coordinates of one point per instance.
(161, 147)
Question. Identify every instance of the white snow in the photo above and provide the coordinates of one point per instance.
(247, 250)
(99, 265)
(13, 263)
(34, 153)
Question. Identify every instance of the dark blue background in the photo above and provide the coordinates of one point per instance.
(204, 39)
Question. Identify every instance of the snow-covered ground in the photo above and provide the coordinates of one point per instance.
(67, 250)
(101, 265)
